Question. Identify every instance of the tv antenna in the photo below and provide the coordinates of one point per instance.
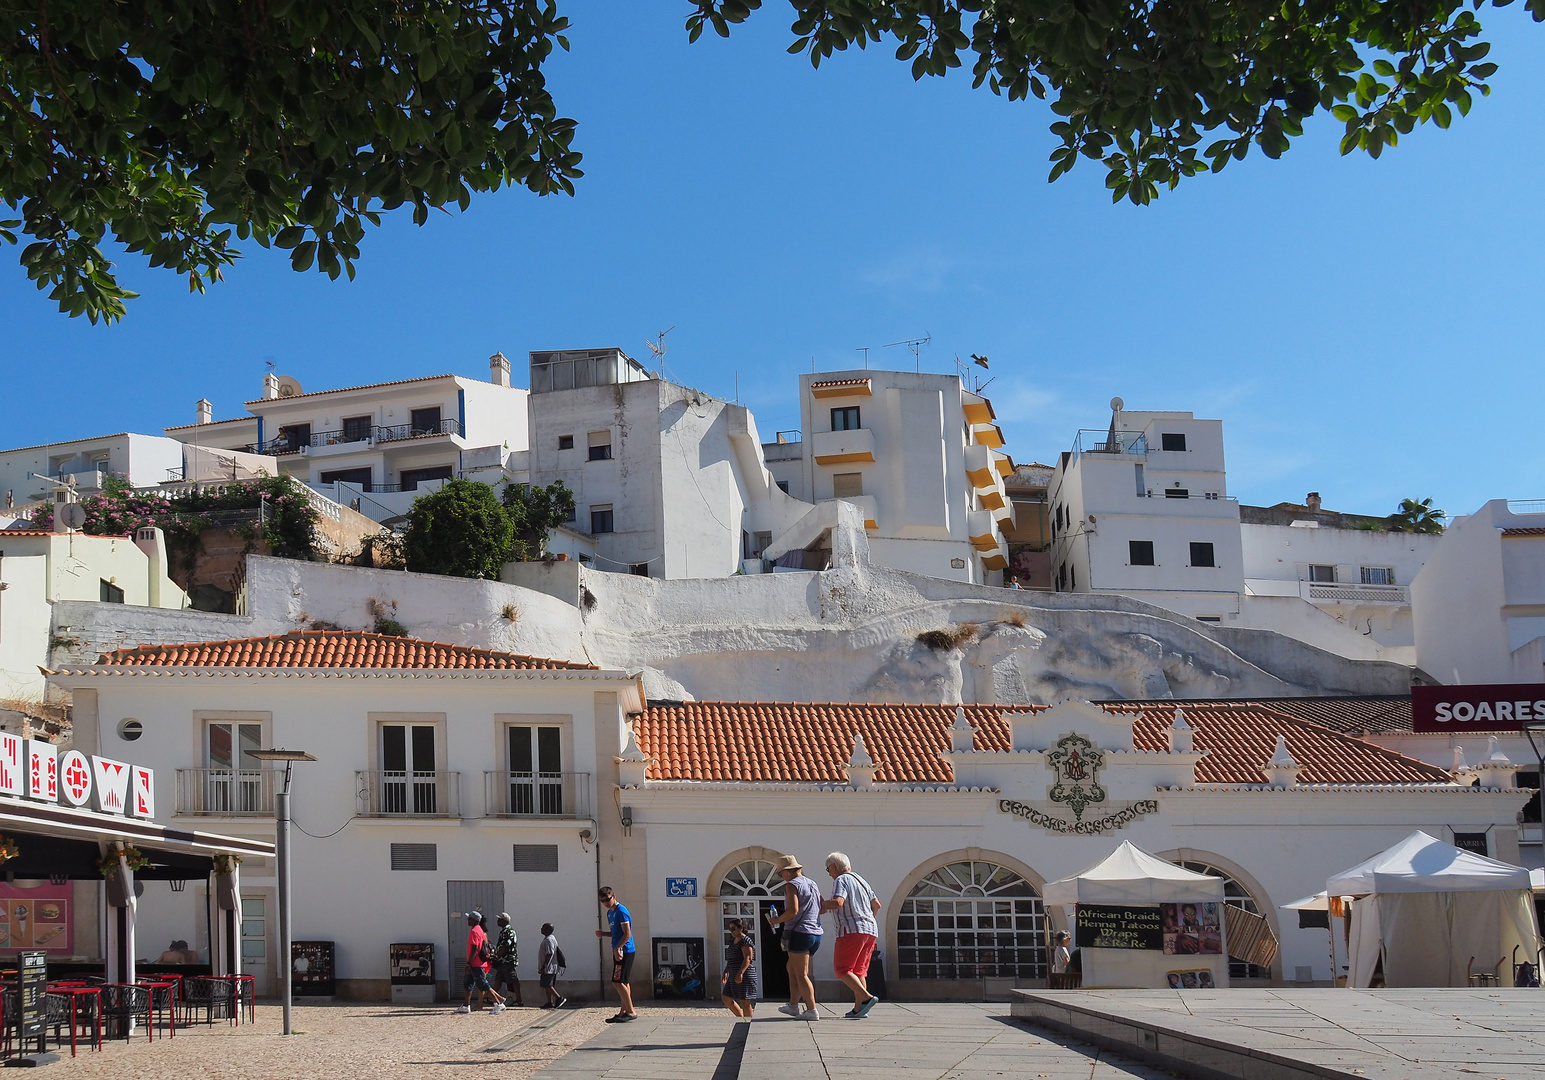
(915, 345)
(658, 348)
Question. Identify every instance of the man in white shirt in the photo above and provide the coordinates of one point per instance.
(856, 906)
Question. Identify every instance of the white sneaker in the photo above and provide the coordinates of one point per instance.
(463, 1008)
(498, 1008)
(790, 1008)
(810, 1014)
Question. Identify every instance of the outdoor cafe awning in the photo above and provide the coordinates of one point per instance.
(73, 837)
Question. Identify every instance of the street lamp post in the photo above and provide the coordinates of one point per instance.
(282, 851)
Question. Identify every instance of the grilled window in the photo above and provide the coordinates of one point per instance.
(1172, 441)
(1140, 552)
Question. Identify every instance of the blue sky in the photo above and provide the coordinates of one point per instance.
(1367, 329)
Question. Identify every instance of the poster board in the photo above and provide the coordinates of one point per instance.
(1120, 926)
(1192, 929)
(36, 918)
(311, 969)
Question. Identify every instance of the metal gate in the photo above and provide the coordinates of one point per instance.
(462, 897)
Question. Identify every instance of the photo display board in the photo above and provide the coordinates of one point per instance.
(1120, 926)
(1193, 929)
(36, 918)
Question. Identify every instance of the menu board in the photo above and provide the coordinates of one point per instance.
(37, 918)
(34, 984)
(1112, 926)
(1192, 929)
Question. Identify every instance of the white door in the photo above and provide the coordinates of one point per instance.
(254, 941)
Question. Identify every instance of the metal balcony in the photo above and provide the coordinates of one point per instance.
(225, 792)
(389, 793)
(536, 795)
(1101, 441)
(399, 432)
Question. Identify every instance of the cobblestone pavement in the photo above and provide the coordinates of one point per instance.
(349, 1042)
(896, 1042)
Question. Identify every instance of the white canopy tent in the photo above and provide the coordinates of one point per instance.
(1425, 909)
(1130, 877)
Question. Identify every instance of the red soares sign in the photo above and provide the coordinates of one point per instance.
(1496, 707)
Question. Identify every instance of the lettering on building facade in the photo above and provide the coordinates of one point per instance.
(1116, 819)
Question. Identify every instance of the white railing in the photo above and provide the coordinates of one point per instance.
(1348, 592)
(323, 505)
(1526, 506)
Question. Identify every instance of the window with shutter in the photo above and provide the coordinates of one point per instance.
(536, 858)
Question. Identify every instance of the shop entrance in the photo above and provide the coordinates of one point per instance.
(750, 892)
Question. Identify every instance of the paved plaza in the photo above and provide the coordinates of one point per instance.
(1250, 1034)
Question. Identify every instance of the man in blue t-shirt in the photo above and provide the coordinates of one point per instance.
(623, 950)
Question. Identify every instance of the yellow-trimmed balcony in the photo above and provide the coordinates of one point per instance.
(979, 412)
(843, 447)
(981, 470)
(987, 435)
(983, 530)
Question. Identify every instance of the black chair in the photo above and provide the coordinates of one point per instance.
(123, 1005)
(213, 997)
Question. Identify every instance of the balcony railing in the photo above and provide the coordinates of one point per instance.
(410, 431)
(329, 438)
(1101, 441)
(536, 795)
(1348, 592)
(225, 792)
(1205, 496)
(389, 793)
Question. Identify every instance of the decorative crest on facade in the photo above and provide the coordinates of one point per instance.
(1077, 763)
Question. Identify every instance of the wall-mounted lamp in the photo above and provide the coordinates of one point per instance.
(178, 884)
(627, 821)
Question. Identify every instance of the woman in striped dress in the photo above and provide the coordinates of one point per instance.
(740, 976)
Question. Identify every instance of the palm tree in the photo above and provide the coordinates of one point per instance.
(1416, 516)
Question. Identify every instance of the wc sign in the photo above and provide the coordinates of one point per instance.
(36, 770)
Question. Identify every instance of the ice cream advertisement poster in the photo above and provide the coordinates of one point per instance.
(36, 918)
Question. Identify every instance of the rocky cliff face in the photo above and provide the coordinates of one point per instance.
(856, 632)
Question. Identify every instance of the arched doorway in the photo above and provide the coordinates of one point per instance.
(1235, 895)
(748, 891)
(971, 919)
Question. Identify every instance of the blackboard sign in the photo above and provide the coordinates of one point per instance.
(1112, 926)
(413, 963)
(34, 984)
(311, 969)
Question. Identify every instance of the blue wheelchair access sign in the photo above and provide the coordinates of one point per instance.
(681, 886)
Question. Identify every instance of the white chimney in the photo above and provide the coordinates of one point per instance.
(632, 765)
(1021, 731)
(1281, 770)
(499, 369)
(861, 768)
(206, 411)
(1497, 771)
(270, 386)
(1181, 735)
(962, 735)
(1312, 501)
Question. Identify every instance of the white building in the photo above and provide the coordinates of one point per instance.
(464, 778)
(1479, 601)
(450, 777)
(1348, 566)
(378, 447)
(669, 482)
(39, 570)
(1143, 509)
(919, 454)
(142, 460)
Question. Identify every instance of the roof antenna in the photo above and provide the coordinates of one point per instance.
(916, 347)
(658, 348)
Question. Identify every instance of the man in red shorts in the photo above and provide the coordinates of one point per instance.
(856, 906)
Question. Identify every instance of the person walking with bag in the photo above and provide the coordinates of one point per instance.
(549, 961)
(801, 920)
(855, 907)
(478, 957)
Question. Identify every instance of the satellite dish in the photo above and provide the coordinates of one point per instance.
(288, 387)
(1117, 404)
(72, 515)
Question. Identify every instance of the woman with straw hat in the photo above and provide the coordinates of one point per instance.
(801, 919)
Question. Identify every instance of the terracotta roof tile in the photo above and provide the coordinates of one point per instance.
(799, 741)
(1523, 532)
(329, 649)
(1351, 715)
(838, 382)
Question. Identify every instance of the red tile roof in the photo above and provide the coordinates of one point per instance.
(1523, 532)
(329, 649)
(838, 382)
(796, 741)
(1351, 715)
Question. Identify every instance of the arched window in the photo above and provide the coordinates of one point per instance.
(971, 920)
(1235, 895)
(752, 878)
